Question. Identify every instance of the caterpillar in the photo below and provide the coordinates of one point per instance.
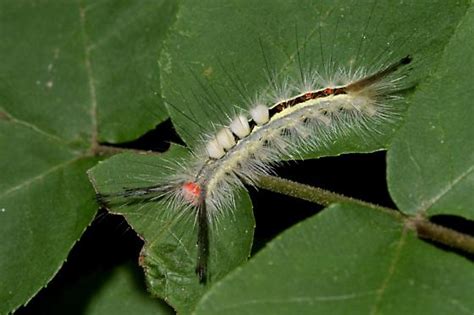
(313, 112)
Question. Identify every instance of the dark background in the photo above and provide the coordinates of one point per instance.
(109, 241)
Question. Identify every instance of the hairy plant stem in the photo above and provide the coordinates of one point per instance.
(314, 194)
(421, 225)
(437, 233)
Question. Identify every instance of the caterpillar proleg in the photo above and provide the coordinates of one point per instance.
(314, 112)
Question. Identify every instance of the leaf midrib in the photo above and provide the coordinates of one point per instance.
(90, 74)
(39, 177)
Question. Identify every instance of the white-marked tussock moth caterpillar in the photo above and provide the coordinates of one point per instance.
(314, 112)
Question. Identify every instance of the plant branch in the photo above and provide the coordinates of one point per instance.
(428, 230)
(312, 194)
(421, 225)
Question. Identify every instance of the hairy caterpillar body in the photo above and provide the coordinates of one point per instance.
(254, 142)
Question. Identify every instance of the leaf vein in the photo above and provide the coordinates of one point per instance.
(33, 127)
(90, 74)
(429, 203)
(38, 177)
(390, 272)
(302, 299)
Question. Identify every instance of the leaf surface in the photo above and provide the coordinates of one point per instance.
(431, 162)
(46, 203)
(346, 260)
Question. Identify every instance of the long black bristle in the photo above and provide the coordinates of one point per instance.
(203, 244)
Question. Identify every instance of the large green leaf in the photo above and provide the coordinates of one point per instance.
(431, 162)
(71, 73)
(169, 254)
(346, 260)
(217, 56)
(45, 205)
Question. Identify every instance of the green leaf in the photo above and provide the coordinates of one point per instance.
(88, 55)
(72, 73)
(346, 260)
(217, 56)
(431, 162)
(169, 254)
(123, 41)
(45, 205)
